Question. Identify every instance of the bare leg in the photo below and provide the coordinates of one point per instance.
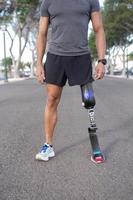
(50, 113)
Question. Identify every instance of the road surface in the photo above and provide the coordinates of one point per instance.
(70, 175)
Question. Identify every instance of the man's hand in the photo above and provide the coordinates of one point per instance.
(40, 74)
(99, 71)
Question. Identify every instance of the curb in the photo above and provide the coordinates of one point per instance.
(14, 80)
(117, 76)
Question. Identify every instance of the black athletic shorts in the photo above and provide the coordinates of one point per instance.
(76, 69)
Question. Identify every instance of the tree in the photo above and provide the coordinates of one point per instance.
(118, 20)
(19, 13)
(130, 56)
(8, 63)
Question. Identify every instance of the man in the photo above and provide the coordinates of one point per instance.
(68, 56)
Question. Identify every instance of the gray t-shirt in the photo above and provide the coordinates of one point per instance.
(69, 21)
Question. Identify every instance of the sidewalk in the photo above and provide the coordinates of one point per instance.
(119, 76)
(11, 80)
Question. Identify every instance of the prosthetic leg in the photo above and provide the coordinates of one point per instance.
(88, 101)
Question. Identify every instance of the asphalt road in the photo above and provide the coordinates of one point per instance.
(70, 175)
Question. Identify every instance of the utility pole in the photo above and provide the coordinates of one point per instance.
(5, 62)
(127, 65)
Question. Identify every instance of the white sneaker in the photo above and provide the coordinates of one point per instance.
(45, 153)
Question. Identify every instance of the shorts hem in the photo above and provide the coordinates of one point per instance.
(83, 83)
(57, 84)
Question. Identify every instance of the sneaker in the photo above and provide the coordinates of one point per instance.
(45, 153)
(98, 158)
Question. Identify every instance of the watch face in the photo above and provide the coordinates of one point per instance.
(104, 61)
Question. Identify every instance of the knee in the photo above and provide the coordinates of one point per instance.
(52, 100)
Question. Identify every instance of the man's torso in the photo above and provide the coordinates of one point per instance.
(69, 26)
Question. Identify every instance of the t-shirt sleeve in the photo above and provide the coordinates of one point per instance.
(44, 9)
(95, 6)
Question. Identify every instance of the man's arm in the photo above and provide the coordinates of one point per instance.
(100, 42)
(41, 46)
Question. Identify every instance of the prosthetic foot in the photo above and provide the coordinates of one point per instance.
(88, 101)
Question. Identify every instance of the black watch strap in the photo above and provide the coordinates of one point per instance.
(103, 61)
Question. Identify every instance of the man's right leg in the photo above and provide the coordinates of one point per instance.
(50, 120)
(50, 113)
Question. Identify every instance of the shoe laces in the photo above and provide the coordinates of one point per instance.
(44, 148)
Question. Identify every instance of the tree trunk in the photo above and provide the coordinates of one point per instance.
(20, 49)
(33, 63)
(124, 62)
(14, 67)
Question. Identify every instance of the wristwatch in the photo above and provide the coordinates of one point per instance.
(103, 61)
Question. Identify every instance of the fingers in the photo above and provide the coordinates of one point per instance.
(99, 75)
(40, 76)
(40, 79)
